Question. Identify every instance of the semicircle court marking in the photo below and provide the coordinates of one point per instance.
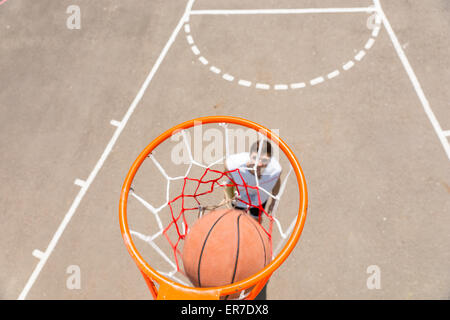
(283, 86)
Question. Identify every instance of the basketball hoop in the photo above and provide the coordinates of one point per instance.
(165, 285)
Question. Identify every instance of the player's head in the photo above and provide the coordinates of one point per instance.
(263, 159)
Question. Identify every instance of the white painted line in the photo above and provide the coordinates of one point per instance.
(348, 65)
(245, 83)
(317, 81)
(80, 183)
(215, 69)
(190, 40)
(284, 11)
(104, 156)
(115, 123)
(376, 31)
(187, 28)
(298, 85)
(446, 133)
(203, 60)
(333, 74)
(360, 55)
(262, 86)
(413, 78)
(378, 19)
(228, 77)
(195, 50)
(38, 253)
(281, 87)
(369, 43)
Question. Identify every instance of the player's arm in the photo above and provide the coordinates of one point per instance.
(229, 190)
(275, 191)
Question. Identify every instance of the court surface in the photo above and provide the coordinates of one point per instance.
(358, 89)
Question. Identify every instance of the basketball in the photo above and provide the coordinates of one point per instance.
(224, 246)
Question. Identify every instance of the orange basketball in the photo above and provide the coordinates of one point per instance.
(224, 246)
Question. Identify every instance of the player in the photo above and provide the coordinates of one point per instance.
(265, 167)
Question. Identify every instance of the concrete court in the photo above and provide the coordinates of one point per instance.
(377, 174)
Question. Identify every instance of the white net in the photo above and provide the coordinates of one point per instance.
(189, 175)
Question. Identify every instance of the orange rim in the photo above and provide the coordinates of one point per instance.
(263, 274)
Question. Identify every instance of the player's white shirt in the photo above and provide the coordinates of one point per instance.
(267, 181)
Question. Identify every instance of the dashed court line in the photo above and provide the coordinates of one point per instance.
(281, 86)
(333, 74)
(317, 80)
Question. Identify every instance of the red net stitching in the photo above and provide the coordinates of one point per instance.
(196, 195)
